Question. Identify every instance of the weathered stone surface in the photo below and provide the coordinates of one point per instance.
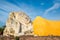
(30, 37)
(18, 24)
(9, 38)
(27, 37)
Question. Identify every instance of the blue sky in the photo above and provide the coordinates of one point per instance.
(49, 9)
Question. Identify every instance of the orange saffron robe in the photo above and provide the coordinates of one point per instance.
(43, 27)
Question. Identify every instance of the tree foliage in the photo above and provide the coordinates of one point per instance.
(2, 29)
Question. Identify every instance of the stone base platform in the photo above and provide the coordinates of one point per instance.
(30, 37)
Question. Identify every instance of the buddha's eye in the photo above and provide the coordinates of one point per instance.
(26, 18)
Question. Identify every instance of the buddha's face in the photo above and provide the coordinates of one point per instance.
(19, 21)
(21, 17)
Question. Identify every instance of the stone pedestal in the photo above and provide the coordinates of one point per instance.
(39, 37)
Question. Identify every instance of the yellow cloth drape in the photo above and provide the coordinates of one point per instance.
(43, 27)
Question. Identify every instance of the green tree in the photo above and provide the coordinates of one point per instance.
(2, 29)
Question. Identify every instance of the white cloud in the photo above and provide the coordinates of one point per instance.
(28, 9)
(9, 6)
(55, 6)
